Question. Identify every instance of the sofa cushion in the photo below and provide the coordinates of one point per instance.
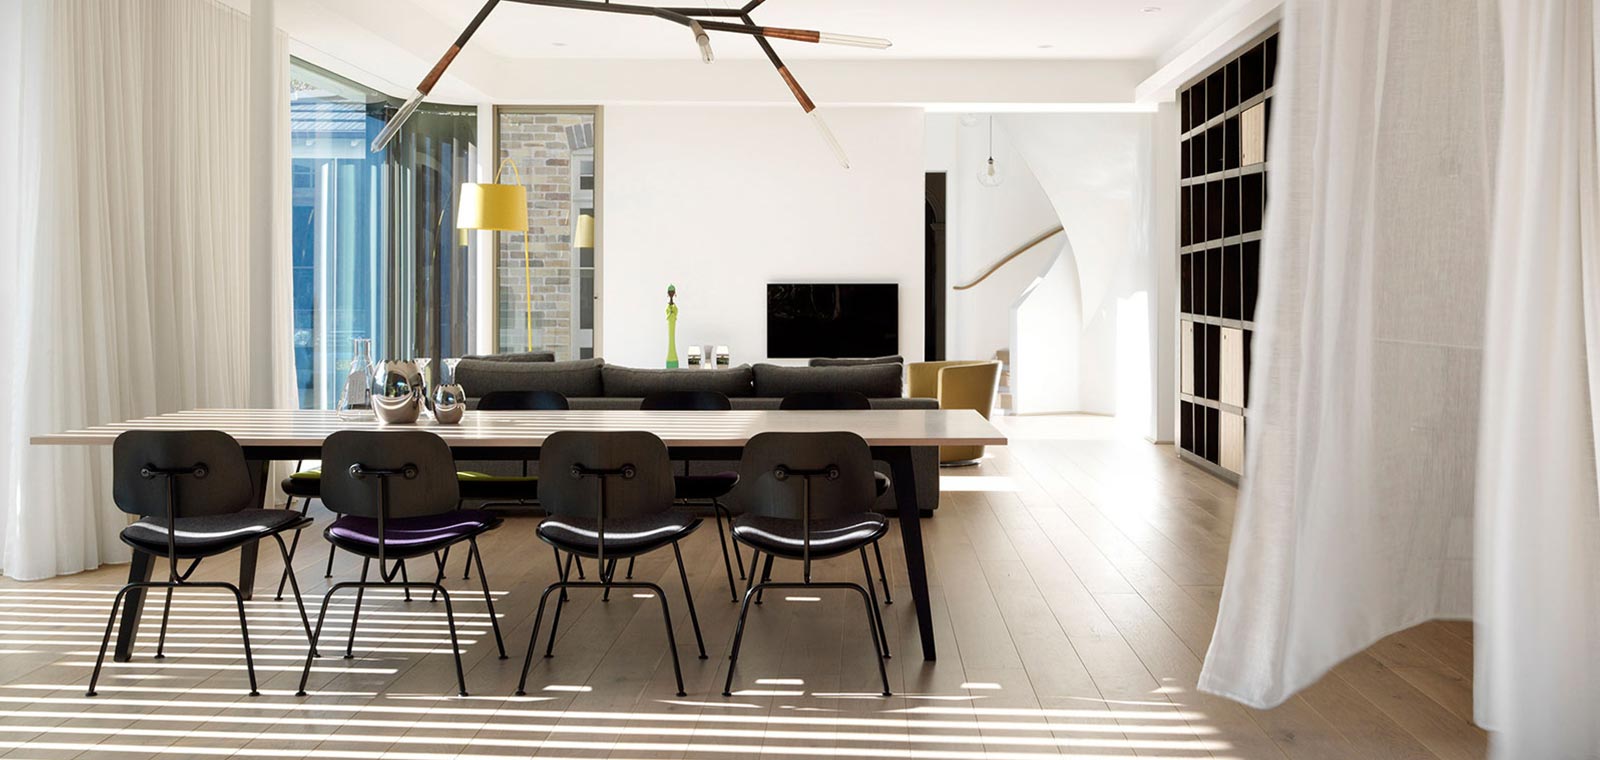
(520, 356)
(571, 379)
(846, 362)
(870, 380)
(632, 382)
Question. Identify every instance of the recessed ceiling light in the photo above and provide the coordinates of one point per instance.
(558, 44)
(1151, 9)
(1046, 47)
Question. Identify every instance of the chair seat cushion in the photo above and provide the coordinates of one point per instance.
(211, 534)
(714, 486)
(305, 484)
(481, 485)
(410, 536)
(880, 483)
(829, 537)
(624, 536)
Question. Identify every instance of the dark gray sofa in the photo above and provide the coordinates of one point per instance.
(593, 384)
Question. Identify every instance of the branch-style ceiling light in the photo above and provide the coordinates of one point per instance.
(699, 21)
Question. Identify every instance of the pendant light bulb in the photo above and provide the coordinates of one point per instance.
(989, 175)
(827, 137)
(703, 40)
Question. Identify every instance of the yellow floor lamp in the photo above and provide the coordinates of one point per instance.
(501, 208)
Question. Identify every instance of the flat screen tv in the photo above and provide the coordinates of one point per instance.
(833, 319)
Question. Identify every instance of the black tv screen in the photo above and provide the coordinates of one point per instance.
(834, 320)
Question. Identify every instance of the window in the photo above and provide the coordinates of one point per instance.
(555, 154)
(369, 229)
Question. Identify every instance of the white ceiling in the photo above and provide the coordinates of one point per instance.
(920, 29)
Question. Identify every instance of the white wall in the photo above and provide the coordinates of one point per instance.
(721, 200)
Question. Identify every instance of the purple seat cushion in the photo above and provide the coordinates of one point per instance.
(410, 536)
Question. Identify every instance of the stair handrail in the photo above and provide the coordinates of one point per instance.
(1024, 249)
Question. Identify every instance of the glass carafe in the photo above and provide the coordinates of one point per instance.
(355, 402)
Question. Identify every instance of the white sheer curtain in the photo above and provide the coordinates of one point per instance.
(1356, 510)
(1434, 229)
(1538, 633)
(126, 239)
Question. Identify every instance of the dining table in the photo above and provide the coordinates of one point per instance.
(269, 435)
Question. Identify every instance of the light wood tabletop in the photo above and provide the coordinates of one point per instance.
(309, 427)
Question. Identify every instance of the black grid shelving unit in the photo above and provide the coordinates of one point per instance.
(1224, 117)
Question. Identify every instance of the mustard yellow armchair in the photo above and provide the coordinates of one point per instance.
(956, 385)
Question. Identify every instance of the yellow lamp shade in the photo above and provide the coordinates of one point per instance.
(585, 237)
(493, 207)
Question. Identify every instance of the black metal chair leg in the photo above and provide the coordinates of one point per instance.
(488, 599)
(727, 565)
(283, 578)
(688, 596)
(866, 601)
(466, 567)
(629, 575)
(355, 614)
(533, 639)
(738, 630)
(329, 572)
(561, 601)
(105, 641)
(311, 652)
(672, 639)
(877, 614)
(294, 585)
(718, 508)
(883, 576)
(563, 571)
(406, 579)
(166, 612)
(607, 573)
(244, 634)
(441, 559)
(455, 646)
(766, 576)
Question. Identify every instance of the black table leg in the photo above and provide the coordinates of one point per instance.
(133, 605)
(905, 497)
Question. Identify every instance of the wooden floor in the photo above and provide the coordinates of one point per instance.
(1075, 578)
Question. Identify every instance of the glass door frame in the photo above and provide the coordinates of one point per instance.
(488, 168)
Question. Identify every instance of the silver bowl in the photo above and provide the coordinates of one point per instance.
(397, 394)
(449, 404)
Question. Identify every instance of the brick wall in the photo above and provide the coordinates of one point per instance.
(538, 144)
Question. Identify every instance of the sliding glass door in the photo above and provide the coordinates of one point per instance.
(373, 247)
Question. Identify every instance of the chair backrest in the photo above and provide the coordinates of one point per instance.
(522, 401)
(824, 400)
(417, 466)
(648, 491)
(763, 491)
(206, 470)
(686, 401)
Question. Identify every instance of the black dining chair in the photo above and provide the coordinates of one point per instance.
(702, 489)
(195, 499)
(849, 401)
(609, 497)
(502, 491)
(805, 497)
(396, 495)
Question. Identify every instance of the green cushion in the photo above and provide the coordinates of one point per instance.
(484, 477)
(307, 475)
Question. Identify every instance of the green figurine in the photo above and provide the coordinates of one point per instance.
(672, 328)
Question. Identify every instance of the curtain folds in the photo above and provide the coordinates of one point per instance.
(130, 255)
(1355, 515)
(1422, 444)
(1538, 548)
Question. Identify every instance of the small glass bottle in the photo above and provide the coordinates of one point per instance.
(355, 402)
